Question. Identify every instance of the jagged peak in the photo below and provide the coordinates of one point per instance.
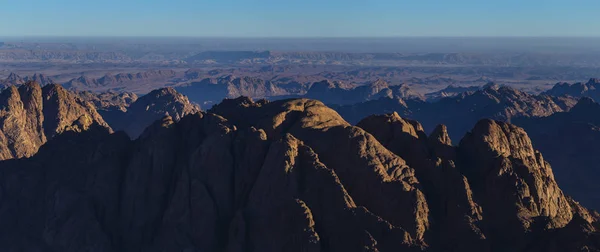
(379, 83)
(13, 77)
(52, 89)
(491, 86)
(440, 135)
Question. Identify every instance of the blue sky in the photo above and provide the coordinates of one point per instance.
(306, 18)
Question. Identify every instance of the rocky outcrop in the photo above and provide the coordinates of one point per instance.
(493, 192)
(205, 184)
(569, 141)
(288, 175)
(514, 183)
(30, 115)
(456, 216)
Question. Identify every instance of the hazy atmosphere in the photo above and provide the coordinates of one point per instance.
(310, 18)
(299, 126)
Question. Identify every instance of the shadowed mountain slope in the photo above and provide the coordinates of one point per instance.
(289, 175)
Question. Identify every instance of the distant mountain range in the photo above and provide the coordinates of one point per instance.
(589, 89)
(117, 81)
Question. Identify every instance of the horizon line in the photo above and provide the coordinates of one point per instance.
(294, 37)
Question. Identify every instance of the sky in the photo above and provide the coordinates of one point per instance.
(300, 18)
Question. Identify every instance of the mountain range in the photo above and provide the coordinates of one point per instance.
(30, 114)
(460, 112)
(117, 81)
(289, 175)
(589, 89)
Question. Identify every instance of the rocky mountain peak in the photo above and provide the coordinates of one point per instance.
(39, 78)
(150, 107)
(378, 85)
(440, 135)
(496, 153)
(288, 175)
(13, 77)
(31, 115)
(491, 86)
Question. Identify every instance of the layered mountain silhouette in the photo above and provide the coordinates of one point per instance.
(210, 91)
(570, 141)
(30, 114)
(451, 91)
(118, 81)
(134, 117)
(289, 175)
(15, 79)
(589, 89)
(459, 113)
(336, 93)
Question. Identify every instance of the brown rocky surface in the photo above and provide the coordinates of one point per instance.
(493, 192)
(288, 175)
(456, 216)
(30, 115)
(514, 184)
(109, 100)
(460, 113)
(570, 142)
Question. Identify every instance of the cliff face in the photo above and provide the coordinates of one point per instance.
(30, 115)
(498, 186)
(570, 140)
(515, 184)
(288, 176)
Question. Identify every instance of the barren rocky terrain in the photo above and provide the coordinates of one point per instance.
(219, 145)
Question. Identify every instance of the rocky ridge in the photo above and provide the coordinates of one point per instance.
(30, 115)
(589, 89)
(570, 142)
(461, 112)
(289, 175)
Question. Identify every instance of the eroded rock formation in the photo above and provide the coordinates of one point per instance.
(288, 175)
